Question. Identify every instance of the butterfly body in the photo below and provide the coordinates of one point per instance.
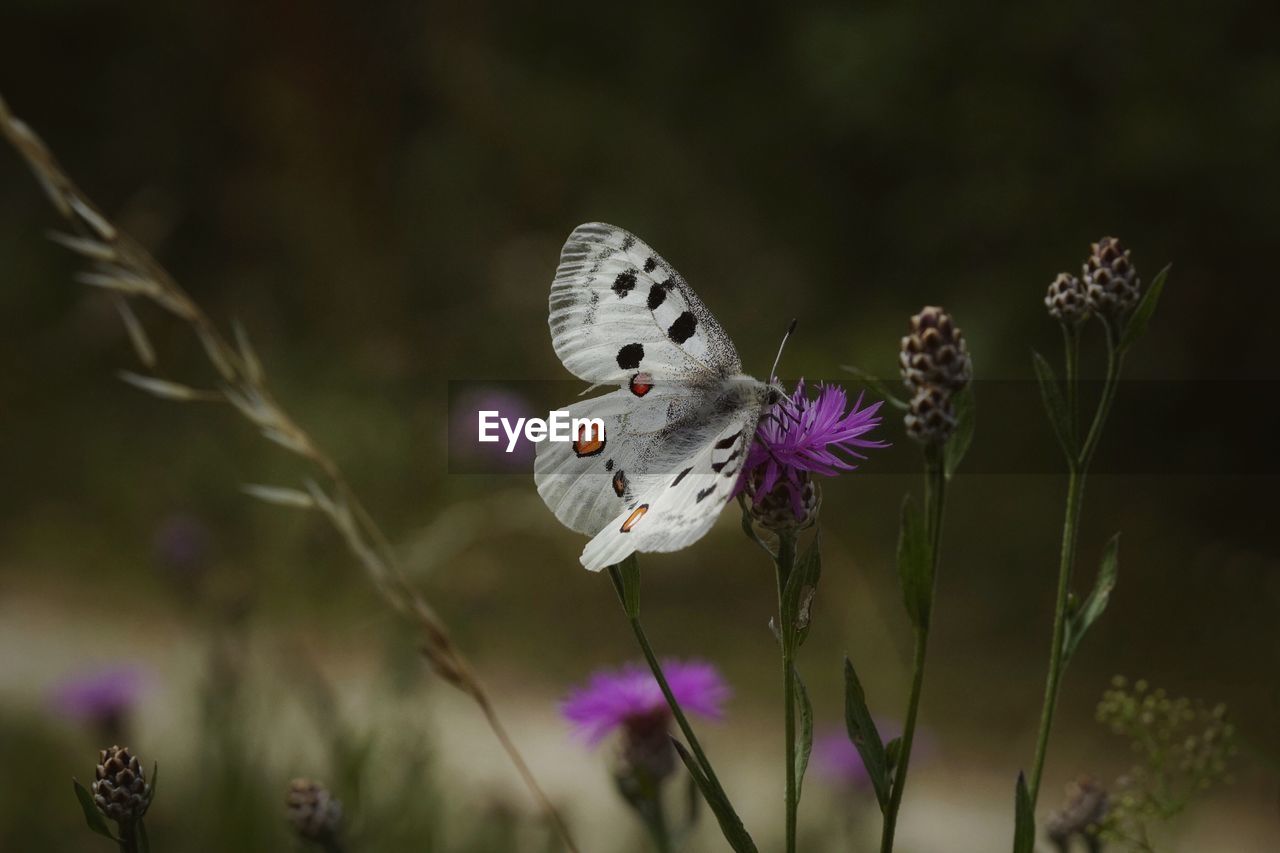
(682, 417)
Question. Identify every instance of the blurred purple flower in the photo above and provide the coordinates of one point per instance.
(101, 695)
(799, 436)
(630, 696)
(836, 759)
(464, 429)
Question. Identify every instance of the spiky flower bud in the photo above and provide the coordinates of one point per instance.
(776, 511)
(120, 788)
(931, 416)
(1066, 300)
(1112, 286)
(316, 815)
(935, 366)
(1081, 815)
(934, 354)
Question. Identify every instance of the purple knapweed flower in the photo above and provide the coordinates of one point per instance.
(465, 446)
(800, 436)
(101, 697)
(629, 697)
(837, 760)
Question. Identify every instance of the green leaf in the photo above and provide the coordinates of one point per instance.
(626, 580)
(962, 437)
(1055, 406)
(806, 731)
(1094, 605)
(915, 565)
(1137, 325)
(155, 776)
(892, 754)
(94, 818)
(749, 528)
(144, 840)
(1024, 820)
(730, 824)
(878, 386)
(862, 731)
(800, 589)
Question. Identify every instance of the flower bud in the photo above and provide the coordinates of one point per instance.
(316, 815)
(934, 353)
(120, 788)
(1066, 300)
(931, 416)
(1081, 815)
(1111, 282)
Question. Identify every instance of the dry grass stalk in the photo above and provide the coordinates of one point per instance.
(127, 271)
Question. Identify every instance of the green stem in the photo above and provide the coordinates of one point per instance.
(683, 722)
(655, 820)
(1077, 470)
(128, 837)
(935, 493)
(786, 559)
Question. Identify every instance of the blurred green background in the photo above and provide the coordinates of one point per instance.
(379, 193)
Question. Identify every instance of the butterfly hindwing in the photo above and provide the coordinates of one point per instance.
(618, 311)
(675, 506)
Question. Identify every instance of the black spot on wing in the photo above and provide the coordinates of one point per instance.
(624, 283)
(651, 264)
(680, 477)
(657, 295)
(627, 242)
(682, 329)
(608, 465)
(630, 355)
(726, 443)
(719, 466)
(619, 483)
(705, 493)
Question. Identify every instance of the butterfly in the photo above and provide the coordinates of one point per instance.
(677, 428)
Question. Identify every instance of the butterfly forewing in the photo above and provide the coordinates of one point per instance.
(618, 309)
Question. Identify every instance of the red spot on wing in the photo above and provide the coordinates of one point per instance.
(636, 515)
(641, 384)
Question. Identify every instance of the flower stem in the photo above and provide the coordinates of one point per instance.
(935, 494)
(681, 720)
(785, 560)
(1077, 469)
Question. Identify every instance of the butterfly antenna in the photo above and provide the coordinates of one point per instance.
(773, 371)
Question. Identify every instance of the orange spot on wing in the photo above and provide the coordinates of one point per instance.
(641, 384)
(589, 442)
(636, 515)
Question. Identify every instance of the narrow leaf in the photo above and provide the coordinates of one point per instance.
(1055, 406)
(279, 496)
(806, 731)
(137, 334)
(801, 586)
(1094, 605)
(962, 437)
(1024, 820)
(915, 565)
(1137, 325)
(144, 840)
(877, 385)
(161, 388)
(626, 580)
(863, 734)
(92, 816)
(892, 755)
(730, 824)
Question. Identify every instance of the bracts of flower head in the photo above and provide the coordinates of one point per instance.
(314, 814)
(935, 365)
(120, 788)
(800, 437)
(1112, 286)
(1081, 816)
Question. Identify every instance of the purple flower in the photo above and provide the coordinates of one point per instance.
(800, 436)
(630, 697)
(100, 695)
(465, 447)
(837, 760)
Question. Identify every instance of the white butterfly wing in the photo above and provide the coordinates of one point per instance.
(674, 507)
(587, 482)
(619, 310)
